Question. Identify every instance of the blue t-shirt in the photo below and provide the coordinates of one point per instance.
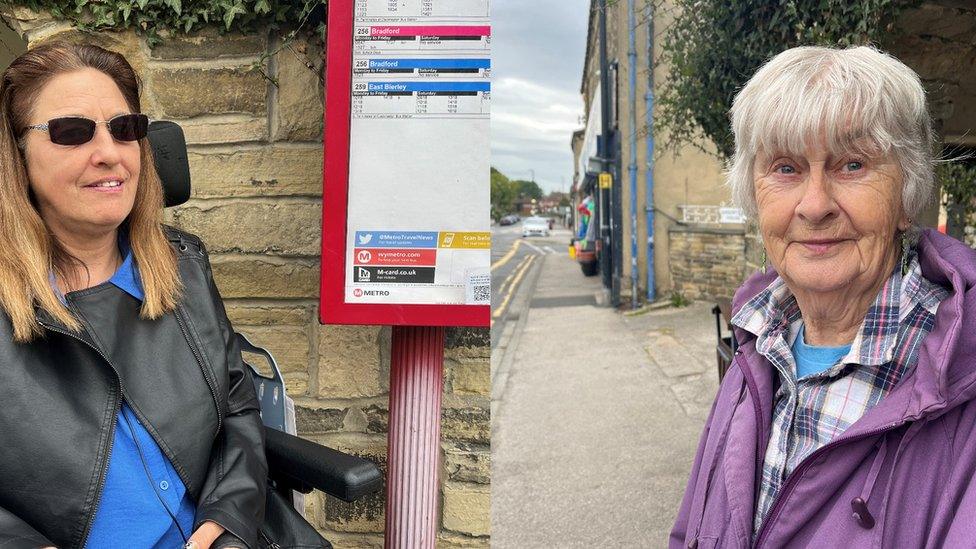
(812, 359)
(129, 513)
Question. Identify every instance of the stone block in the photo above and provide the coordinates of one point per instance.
(266, 277)
(289, 345)
(300, 95)
(296, 384)
(23, 20)
(259, 226)
(456, 338)
(450, 540)
(937, 21)
(467, 509)
(126, 43)
(267, 315)
(188, 92)
(466, 425)
(470, 377)
(355, 420)
(366, 514)
(314, 504)
(354, 541)
(349, 362)
(259, 171)
(211, 130)
(313, 421)
(377, 419)
(465, 464)
(208, 43)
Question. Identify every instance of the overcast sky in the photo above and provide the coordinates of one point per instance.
(537, 64)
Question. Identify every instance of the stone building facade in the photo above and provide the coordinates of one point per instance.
(690, 176)
(252, 112)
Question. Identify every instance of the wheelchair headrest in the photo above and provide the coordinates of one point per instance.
(169, 151)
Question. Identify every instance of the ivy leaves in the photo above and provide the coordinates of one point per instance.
(151, 17)
(713, 47)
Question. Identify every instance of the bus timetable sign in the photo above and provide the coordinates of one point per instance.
(405, 226)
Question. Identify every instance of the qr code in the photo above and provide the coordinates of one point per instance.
(482, 293)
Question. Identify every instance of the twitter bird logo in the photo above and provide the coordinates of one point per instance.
(365, 238)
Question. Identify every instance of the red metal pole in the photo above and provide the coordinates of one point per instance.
(416, 379)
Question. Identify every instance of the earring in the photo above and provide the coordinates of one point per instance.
(764, 260)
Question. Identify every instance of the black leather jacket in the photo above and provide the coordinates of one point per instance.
(181, 374)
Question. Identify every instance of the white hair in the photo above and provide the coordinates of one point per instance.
(855, 100)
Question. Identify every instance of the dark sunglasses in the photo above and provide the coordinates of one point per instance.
(75, 130)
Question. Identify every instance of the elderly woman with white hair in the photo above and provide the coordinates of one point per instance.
(847, 417)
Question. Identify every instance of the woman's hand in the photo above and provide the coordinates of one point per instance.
(205, 535)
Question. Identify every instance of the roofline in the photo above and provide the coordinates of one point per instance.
(589, 33)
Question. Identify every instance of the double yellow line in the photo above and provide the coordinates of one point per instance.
(511, 282)
(508, 256)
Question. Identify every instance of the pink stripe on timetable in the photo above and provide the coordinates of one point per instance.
(453, 30)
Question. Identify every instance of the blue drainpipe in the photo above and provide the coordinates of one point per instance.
(649, 109)
(632, 166)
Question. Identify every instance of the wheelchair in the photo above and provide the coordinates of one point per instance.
(294, 464)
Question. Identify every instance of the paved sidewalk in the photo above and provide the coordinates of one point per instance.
(596, 415)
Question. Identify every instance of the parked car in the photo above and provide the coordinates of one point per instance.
(535, 226)
(508, 220)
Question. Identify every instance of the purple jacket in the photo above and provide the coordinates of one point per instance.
(902, 476)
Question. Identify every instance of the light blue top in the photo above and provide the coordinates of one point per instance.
(129, 513)
(812, 359)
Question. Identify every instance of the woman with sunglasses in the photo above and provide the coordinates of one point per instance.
(128, 418)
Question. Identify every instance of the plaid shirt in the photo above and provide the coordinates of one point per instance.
(809, 412)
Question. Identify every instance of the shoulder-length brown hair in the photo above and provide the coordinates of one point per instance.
(30, 252)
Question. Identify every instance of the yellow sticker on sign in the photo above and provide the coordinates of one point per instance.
(606, 180)
(471, 240)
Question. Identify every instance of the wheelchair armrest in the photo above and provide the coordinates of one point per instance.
(305, 463)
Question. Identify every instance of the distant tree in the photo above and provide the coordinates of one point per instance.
(504, 191)
(529, 189)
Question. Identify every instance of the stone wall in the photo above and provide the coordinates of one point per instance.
(255, 152)
(706, 262)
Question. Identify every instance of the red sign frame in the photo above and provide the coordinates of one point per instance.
(333, 308)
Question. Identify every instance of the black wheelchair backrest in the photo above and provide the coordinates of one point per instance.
(169, 152)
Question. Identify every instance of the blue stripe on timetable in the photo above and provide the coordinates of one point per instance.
(429, 86)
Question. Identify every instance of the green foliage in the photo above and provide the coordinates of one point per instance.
(150, 17)
(504, 191)
(678, 300)
(529, 189)
(713, 47)
(958, 181)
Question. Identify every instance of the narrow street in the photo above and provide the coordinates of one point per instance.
(512, 258)
(595, 414)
